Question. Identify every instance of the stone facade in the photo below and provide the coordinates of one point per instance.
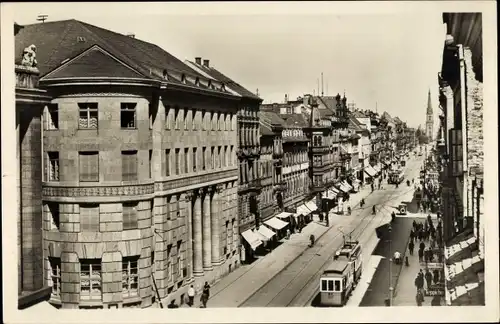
(181, 196)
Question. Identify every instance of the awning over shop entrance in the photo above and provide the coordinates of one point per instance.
(284, 215)
(376, 167)
(329, 194)
(252, 239)
(302, 210)
(343, 188)
(266, 233)
(276, 223)
(347, 185)
(311, 205)
(370, 171)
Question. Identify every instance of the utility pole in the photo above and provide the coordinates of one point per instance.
(322, 84)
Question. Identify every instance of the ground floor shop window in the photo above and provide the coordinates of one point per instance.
(90, 279)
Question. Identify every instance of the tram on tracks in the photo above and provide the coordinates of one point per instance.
(341, 277)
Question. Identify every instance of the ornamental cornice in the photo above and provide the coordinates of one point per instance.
(98, 191)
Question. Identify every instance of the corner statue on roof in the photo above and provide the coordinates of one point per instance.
(29, 56)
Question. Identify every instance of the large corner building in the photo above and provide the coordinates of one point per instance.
(130, 163)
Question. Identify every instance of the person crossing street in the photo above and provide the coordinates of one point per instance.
(411, 246)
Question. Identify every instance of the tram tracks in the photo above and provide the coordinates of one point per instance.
(279, 290)
(273, 286)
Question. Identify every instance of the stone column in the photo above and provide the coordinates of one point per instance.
(197, 237)
(215, 227)
(207, 247)
(189, 229)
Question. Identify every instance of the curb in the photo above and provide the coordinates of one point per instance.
(291, 261)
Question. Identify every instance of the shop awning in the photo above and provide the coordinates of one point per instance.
(329, 194)
(252, 239)
(376, 167)
(450, 251)
(344, 188)
(457, 268)
(370, 171)
(265, 232)
(276, 223)
(335, 190)
(302, 210)
(311, 205)
(284, 215)
(347, 185)
(454, 295)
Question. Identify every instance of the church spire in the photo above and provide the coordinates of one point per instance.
(429, 103)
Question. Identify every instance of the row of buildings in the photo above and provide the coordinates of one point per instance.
(140, 174)
(460, 154)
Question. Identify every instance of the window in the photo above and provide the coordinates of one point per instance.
(88, 116)
(231, 156)
(55, 276)
(188, 119)
(167, 207)
(203, 115)
(151, 116)
(177, 160)
(177, 118)
(54, 215)
(220, 157)
(186, 158)
(130, 216)
(180, 265)
(168, 117)
(212, 160)
(222, 122)
(52, 117)
(150, 164)
(129, 165)
(194, 160)
(169, 263)
(90, 279)
(89, 218)
(89, 166)
(203, 163)
(167, 162)
(227, 237)
(224, 157)
(128, 115)
(130, 277)
(53, 166)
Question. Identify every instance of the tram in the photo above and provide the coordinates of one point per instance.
(396, 177)
(342, 275)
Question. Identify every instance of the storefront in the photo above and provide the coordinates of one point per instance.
(277, 225)
(370, 173)
(251, 242)
(267, 236)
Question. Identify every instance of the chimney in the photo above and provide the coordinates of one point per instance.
(206, 63)
(286, 98)
(197, 60)
(131, 35)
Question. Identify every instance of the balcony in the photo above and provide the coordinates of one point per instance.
(254, 184)
(320, 149)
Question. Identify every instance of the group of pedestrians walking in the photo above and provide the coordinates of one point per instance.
(191, 293)
(427, 232)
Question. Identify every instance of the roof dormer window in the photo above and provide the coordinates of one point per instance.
(223, 87)
(197, 82)
(183, 78)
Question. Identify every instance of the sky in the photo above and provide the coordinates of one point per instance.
(383, 59)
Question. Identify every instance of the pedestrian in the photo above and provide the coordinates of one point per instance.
(436, 276)
(414, 225)
(420, 255)
(419, 298)
(417, 282)
(172, 304)
(411, 246)
(203, 300)
(206, 289)
(436, 300)
(288, 233)
(422, 246)
(428, 278)
(191, 294)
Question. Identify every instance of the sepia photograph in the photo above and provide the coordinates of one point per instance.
(249, 162)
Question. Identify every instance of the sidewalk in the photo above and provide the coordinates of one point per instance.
(233, 289)
(405, 290)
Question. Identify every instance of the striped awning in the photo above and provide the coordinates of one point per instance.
(347, 185)
(343, 188)
(252, 239)
(302, 210)
(329, 194)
